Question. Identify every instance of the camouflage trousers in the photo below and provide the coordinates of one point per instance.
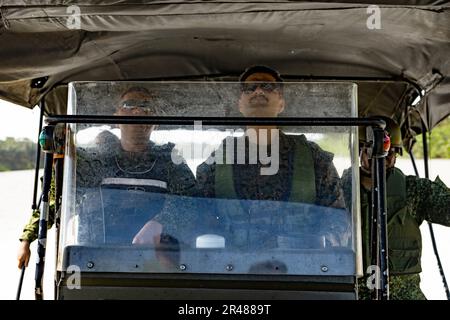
(402, 287)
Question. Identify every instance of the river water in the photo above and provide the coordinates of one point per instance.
(16, 189)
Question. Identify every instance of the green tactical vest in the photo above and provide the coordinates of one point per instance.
(239, 218)
(404, 238)
(303, 177)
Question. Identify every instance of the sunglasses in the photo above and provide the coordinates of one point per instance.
(143, 104)
(268, 87)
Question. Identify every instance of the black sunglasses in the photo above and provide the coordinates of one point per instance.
(268, 87)
(144, 104)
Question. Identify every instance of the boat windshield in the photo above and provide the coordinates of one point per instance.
(223, 199)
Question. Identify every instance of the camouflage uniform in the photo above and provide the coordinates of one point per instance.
(426, 200)
(108, 159)
(401, 287)
(251, 185)
(31, 229)
(115, 211)
(94, 164)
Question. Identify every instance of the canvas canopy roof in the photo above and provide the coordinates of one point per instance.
(153, 40)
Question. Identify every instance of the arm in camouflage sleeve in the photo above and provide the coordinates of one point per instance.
(173, 216)
(181, 180)
(335, 224)
(184, 218)
(346, 183)
(30, 231)
(205, 179)
(328, 185)
(428, 200)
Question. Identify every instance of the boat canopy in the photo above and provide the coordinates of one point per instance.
(394, 52)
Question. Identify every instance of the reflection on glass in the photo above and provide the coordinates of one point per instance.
(252, 207)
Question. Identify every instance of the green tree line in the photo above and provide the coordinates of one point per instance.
(438, 142)
(17, 154)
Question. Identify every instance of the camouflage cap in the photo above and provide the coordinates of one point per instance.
(260, 69)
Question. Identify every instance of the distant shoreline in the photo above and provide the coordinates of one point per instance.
(19, 170)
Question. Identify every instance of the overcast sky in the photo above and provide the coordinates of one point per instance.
(18, 122)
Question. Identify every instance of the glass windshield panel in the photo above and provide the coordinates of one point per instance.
(211, 199)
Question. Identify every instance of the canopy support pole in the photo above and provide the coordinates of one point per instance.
(38, 157)
(430, 225)
(379, 241)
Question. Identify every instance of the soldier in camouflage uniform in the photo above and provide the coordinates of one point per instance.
(306, 174)
(410, 201)
(131, 158)
(30, 231)
(131, 176)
